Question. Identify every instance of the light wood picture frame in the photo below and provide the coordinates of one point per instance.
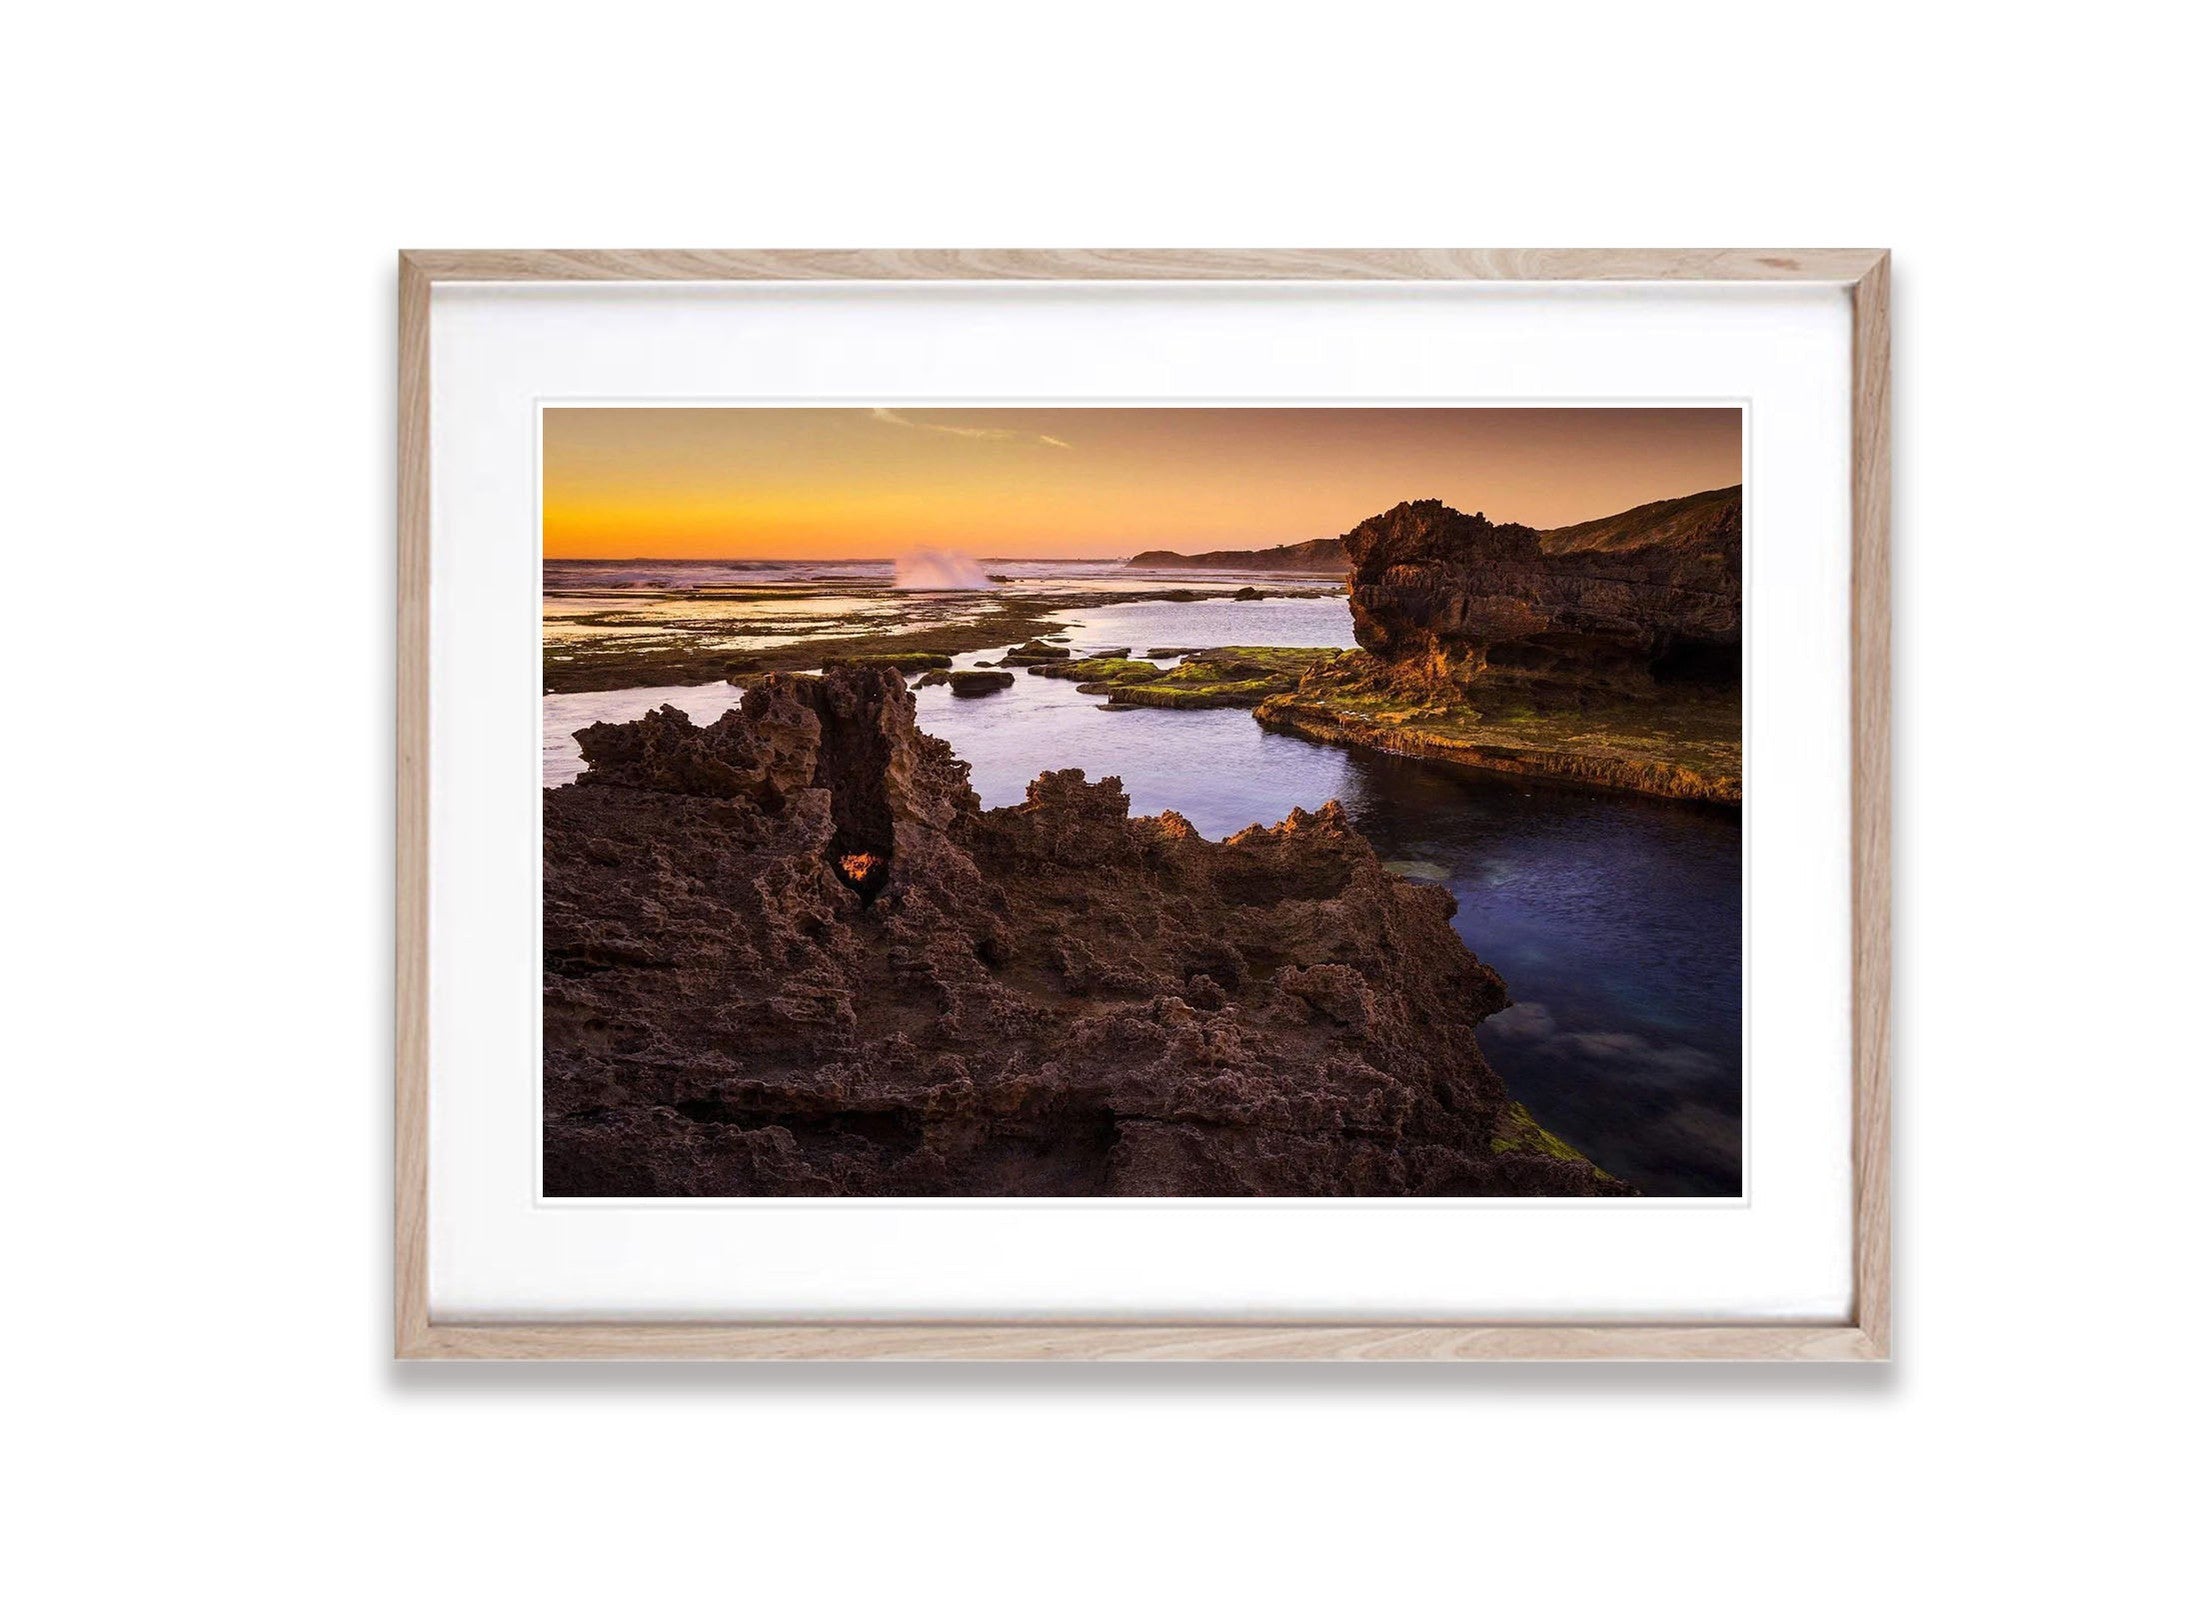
(1864, 1335)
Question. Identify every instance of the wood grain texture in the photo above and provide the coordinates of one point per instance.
(1238, 266)
(411, 1252)
(1866, 1337)
(1123, 1341)
(1870, 622)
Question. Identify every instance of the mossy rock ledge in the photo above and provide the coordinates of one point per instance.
(1684, 747)
(1239, 676)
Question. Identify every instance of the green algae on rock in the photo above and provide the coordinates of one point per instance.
(1036, 650)
(1606, 654)
(1675, 748)
(1517, 1129)
(1240, 675)
(1097, 670)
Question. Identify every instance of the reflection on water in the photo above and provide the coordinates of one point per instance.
(1615, 921)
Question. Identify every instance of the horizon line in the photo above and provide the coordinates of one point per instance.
(820, 560)
(830, 560)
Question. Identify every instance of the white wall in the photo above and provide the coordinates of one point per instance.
(199, 351)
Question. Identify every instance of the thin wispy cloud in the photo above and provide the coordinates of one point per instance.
(997, 435)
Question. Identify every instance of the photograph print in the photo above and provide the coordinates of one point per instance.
(1142, 802)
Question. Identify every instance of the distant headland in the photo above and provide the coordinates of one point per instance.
(1310, 555)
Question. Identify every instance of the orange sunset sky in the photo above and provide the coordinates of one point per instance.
(800, 483)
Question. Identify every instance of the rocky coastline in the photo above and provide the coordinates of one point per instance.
(789, 953)
(1608, 653)
(632, 649)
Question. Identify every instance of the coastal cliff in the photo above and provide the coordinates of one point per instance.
(1606, 653)
(1460, 602)
(788, 953)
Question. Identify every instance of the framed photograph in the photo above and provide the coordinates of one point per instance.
(1254, 804)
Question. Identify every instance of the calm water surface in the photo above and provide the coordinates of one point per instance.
(1615, 920)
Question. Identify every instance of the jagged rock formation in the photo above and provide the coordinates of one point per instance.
(1607, 653)
(787, 953)
(1309, 555)
(1612, 607)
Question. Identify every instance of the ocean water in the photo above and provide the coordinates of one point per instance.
(758, 604)
(646, 577)
(1615, 920)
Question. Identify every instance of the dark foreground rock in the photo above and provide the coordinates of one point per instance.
(787, 953)
(1608, 653)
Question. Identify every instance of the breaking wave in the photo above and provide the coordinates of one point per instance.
(938, 569)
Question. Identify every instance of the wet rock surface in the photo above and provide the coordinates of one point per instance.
(1608, 653)
(788, 953)
(1227, 675)
(967, 684)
